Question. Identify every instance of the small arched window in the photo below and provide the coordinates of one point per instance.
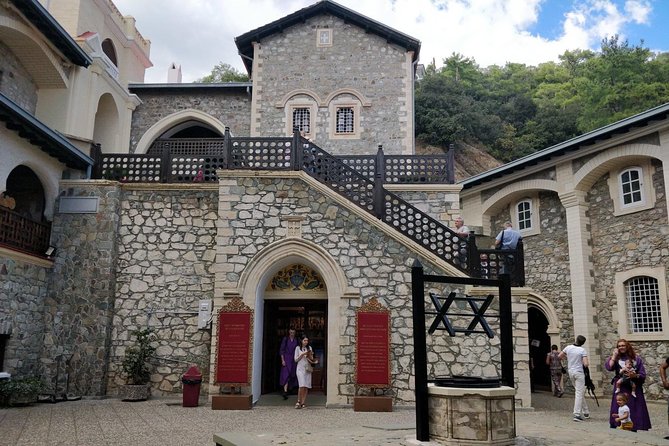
(524, 213)
(110, 51)
(630, 186)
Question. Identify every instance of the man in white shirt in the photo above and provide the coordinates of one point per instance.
(577, 358)
(460, 227)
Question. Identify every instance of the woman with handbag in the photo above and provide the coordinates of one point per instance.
(557, 370)
(304, 357)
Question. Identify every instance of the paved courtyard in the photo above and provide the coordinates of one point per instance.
(164, 422)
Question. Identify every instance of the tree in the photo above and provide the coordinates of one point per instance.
(223, 72)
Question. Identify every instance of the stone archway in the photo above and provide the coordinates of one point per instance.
(253, 283)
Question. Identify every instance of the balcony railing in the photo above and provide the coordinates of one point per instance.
(21, 233)
(490, 263)
(360, 179)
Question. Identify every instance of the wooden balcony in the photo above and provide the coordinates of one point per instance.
(22, 234)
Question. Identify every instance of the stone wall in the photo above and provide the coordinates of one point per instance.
(81, 290)
(23, 288)
(443, 206)
(291, 60)
(15, 81)
(166, 258)
(232, 108)
(373, 263)
(621, 243)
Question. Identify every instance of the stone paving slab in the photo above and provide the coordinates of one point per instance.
(165, 423)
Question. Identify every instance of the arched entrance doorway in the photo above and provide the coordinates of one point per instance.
(294, 298)
(540, 345)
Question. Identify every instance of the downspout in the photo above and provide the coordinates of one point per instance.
(413, 105)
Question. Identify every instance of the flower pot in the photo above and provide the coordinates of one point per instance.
(129, 392)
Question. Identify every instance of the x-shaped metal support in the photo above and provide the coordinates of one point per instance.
(442, 314)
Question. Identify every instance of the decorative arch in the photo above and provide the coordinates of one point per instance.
(278, 255)
(177, 118)
(610, 159)
(47, 178)
(264, 266)
(546, 307)
(37, 58)
(300, 91)
(106, 126)
(516, 191)
(109, 49)
(352, 91)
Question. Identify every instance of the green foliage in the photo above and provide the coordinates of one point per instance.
(223, 72)
(515, 109)
(20, 390)
(136, 365)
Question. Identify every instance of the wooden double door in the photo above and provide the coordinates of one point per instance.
(307, 317)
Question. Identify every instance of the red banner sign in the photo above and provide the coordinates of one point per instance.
(234, 348)
(373, 349)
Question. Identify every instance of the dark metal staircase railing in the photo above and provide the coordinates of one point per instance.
(187, 161)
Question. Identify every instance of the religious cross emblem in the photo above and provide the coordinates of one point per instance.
(442, 314)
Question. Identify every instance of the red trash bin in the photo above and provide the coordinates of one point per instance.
(191, 380)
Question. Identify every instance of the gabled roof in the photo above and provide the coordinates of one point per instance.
(587, 139)
(31, 129)
(245, 41)
(52, 30)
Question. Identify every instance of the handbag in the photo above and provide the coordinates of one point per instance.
(308, 368)
(564, 370)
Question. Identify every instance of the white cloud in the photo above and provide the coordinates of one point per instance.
(198, 34)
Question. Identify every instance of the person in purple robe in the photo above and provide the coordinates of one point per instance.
(288, 376)
(637, 404)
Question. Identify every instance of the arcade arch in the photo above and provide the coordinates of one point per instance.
(174, 120)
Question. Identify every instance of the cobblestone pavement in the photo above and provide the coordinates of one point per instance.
(165, 422)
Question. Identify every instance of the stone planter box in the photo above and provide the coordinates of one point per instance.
(468, 417)
(129, 392)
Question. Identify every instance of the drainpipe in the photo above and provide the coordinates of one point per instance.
(413, 105)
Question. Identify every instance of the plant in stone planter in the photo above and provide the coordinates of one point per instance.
(137, 368)
(20, 391)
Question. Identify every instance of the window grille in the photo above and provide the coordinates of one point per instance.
(643, 305)
(630, 181)
(302, 120)
(345, 120)
(524, 209)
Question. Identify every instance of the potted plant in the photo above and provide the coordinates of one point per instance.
(20, 391)
(137, 368)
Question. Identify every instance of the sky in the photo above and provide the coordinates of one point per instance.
(198, 34)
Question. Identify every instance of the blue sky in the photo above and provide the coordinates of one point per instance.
(198, 34)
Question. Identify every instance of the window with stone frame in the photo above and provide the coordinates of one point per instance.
(630, 187)
(524, 212)
(345, 121)
(644, 313)
(641, 295)
(302, 120)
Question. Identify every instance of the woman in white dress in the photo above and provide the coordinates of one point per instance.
(304, 357)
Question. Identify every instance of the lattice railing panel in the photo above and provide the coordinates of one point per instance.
(261, 153)
(188, 146)
(365, 165)
(416, 169)
(425, 230)
(20, 232)
(193, 169)
(130, 168)
(338, 176)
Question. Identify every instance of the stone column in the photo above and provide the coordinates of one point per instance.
(582, 281)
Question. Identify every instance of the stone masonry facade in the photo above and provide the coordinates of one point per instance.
(15, 82)
(616, 249)
(232, 108)
(364, 62)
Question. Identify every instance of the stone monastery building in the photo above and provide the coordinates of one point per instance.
(125, 205)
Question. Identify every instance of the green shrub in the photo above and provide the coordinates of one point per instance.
(21, 390)
(136, 364)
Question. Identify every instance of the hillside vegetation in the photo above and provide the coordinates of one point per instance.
(515, 110)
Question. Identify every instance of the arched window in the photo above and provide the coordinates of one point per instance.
(302, 120)
(26, 189)
(110, 51)
(644, 312)
(630, 186)
(524, 213)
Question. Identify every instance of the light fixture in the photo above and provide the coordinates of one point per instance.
(50, 252)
